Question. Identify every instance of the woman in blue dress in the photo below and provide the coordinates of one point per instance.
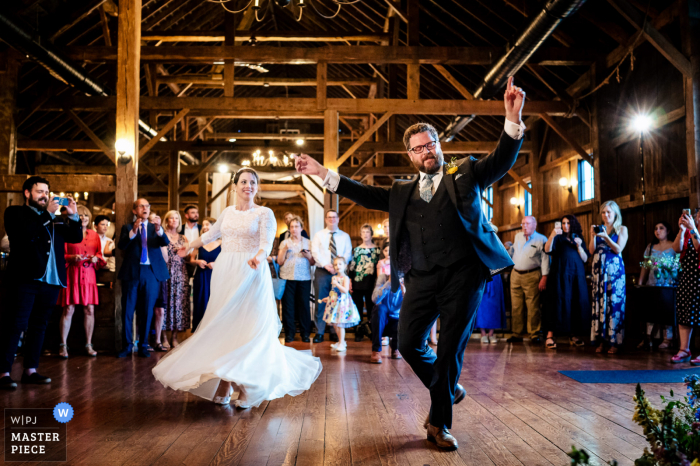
(609, 293)
(566, 309)
(204, 259)
(492, 310)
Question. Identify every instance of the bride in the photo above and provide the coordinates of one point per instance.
(236, 345)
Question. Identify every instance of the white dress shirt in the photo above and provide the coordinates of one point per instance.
(320, 246)
(104, 241)
(514, 130)
(132, 235)
(530, 254)
(191, 234)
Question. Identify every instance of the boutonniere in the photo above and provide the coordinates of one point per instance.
(452, 166)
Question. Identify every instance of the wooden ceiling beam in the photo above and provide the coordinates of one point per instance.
(86, 129)
(218, 79)
(361, 54)
(567, 138)
(453, 147)
(162, 132)
(273, 106)
(68, 183)
(261, 36)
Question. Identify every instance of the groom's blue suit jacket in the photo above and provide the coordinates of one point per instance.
(465, 188)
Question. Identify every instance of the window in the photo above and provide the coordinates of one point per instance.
(487, 209)
(585, 181)
(528, 201)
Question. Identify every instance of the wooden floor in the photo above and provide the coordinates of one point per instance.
(518, 410)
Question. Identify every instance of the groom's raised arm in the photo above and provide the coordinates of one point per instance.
(370, 197)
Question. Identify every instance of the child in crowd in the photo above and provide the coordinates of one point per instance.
(385, 318)
(341, 311)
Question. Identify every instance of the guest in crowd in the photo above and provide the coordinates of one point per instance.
(191, 229)
(107, 245)
(687, 243)
(492, 310)
(82, 259)
(340, 310)
(295, 260)
(327, 244)
(385, 317)
(528, 280)
(159, 307)
(385, 226)
(176, 290)
(566, 308)
(661, 246)
(288, 217)
(363, 272)
(5, 244)
(142, 272)
(36, 272)
(609, 293)
(203, 259)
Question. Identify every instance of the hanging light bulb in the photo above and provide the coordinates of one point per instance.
(246, 163)
(86, 195)
(76, 195)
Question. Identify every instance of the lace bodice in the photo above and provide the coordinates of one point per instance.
(244, 231)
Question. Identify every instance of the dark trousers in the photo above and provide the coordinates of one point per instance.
(452, 293)
(28, 310)
(362, 298)
(383, 325)
(296, 298)
(141, 294)
(322, 285)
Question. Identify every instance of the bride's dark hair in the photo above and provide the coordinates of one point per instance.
(245, 170)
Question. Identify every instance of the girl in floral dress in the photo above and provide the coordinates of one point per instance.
(363, 272)
(609, 292)
(341, 311)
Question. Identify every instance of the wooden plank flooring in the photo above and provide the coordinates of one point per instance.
(519, 411)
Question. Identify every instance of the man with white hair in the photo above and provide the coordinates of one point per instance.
(528, 279)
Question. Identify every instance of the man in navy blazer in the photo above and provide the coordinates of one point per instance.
(443, 246)
(142, 271)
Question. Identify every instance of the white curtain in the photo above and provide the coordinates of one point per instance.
(219, 180)
(315, 208)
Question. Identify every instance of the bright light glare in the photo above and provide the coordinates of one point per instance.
(513, 201)
(122, 146)
(641, 123)
(223, 168)
(563, 182)
(246, 163)
(232, 140)
(300, 142)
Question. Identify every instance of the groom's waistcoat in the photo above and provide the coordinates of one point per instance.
(435, 231)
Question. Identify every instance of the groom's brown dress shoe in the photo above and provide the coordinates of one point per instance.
(460, 393)
(442, 438)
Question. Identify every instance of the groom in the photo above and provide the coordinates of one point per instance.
(443, 247)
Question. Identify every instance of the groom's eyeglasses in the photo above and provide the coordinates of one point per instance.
(420, 149)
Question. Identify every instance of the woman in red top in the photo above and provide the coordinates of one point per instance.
(82, 260)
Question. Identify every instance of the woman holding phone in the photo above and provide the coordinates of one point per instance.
(295, 260)
(82, 260)
(687, 243)
(609, 292)
(567, 308)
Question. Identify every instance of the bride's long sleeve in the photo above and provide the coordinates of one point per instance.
(214, 232)
(268, 230)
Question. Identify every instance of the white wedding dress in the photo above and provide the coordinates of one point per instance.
(237, 340)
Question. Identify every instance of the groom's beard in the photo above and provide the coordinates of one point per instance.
(438, 160)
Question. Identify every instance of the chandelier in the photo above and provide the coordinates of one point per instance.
(300, 4)
(271, 160)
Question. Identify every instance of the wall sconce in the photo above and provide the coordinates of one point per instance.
(125, 151)
(566, 184)
(516, 202)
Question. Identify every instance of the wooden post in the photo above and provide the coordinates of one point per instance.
(321, 82)
(394, 27)
(174, 182)
(536, 177)
(8, 129)
(413, 70)
(203, 191)
(690, 34)
(330, 153)
(128, 68)
(229, 39)
(595, 144)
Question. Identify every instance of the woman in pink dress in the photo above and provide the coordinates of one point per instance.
(82, 260)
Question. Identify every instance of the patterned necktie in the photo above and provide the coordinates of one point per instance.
(426, 191)
(332, 248)
(144, 245)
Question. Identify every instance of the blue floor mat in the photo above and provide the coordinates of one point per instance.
(660, 376)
